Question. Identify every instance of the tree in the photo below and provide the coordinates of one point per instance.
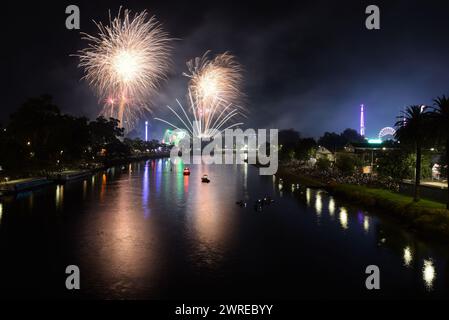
(347, 163)
(352, 136)
(104, 132)
(34, 125)
(440, 121)
(395, 164)
(288, 140)
(323, 164)
(412, 131)
(305, 148)
(334, 141)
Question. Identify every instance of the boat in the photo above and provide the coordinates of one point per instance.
(186, 172)
(267, 200)
(205, 179)
(258, 205)
(241, 203)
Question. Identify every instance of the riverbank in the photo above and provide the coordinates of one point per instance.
(68, 174)
(429, 218)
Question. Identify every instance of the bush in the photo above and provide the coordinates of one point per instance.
(323, 164)
(347, 164)
(396, 164)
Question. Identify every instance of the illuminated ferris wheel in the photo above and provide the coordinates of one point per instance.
(387, 133)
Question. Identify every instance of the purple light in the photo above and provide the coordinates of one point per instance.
(362, 120)
(146, 130)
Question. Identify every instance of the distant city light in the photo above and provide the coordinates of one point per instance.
(374, 141)
(362, 120)
(146, 130)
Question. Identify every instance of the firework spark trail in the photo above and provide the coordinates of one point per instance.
(215, 80)
(194, 128)
(125, 63)
(214, 95)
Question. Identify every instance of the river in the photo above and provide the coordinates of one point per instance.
(146, 231)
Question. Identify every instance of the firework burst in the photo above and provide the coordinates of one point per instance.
(217, 80)
(125, 63)
(214, 95)
(197, 125)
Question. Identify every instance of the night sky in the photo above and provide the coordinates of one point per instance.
(308, 65)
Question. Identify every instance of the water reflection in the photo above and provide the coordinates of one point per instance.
(59, 196)
(428, 274)
(146, 190)
(331, 206)
(103, 186)
(343, 218)
(84, 189)
(408, 256)
(318, 203)
(195, 229)
(123, 249)
(366, 223)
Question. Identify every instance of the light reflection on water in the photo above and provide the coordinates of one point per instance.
(428, 268)
(343, 217)
(331, 206)
(318, 204)
(145, 223)
(408, 256)
(366, 223)
(429, 273)
(59, 196)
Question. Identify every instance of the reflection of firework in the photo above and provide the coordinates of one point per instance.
(214, 95)
(125, 63)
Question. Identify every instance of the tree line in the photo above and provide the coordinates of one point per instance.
(39, 136)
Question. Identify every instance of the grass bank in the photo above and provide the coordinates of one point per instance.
(304, 180)
(428, 217)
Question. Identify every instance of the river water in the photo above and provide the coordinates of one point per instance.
(146, 231)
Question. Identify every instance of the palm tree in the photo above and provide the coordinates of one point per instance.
(440, 120)
(412, 130)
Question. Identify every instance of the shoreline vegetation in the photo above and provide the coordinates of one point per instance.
(426, 217)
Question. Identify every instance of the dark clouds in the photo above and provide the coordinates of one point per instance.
(308, 65)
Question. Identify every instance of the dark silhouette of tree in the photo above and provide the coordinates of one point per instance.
(332, 141)
(412, 130)
(335, 142)
(39, 138)
(33, 125)
(352, 136)
(104, 132)
(287, 140)
(440, 121)
(305, 148)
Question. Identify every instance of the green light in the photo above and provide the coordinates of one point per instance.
(375, 141)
